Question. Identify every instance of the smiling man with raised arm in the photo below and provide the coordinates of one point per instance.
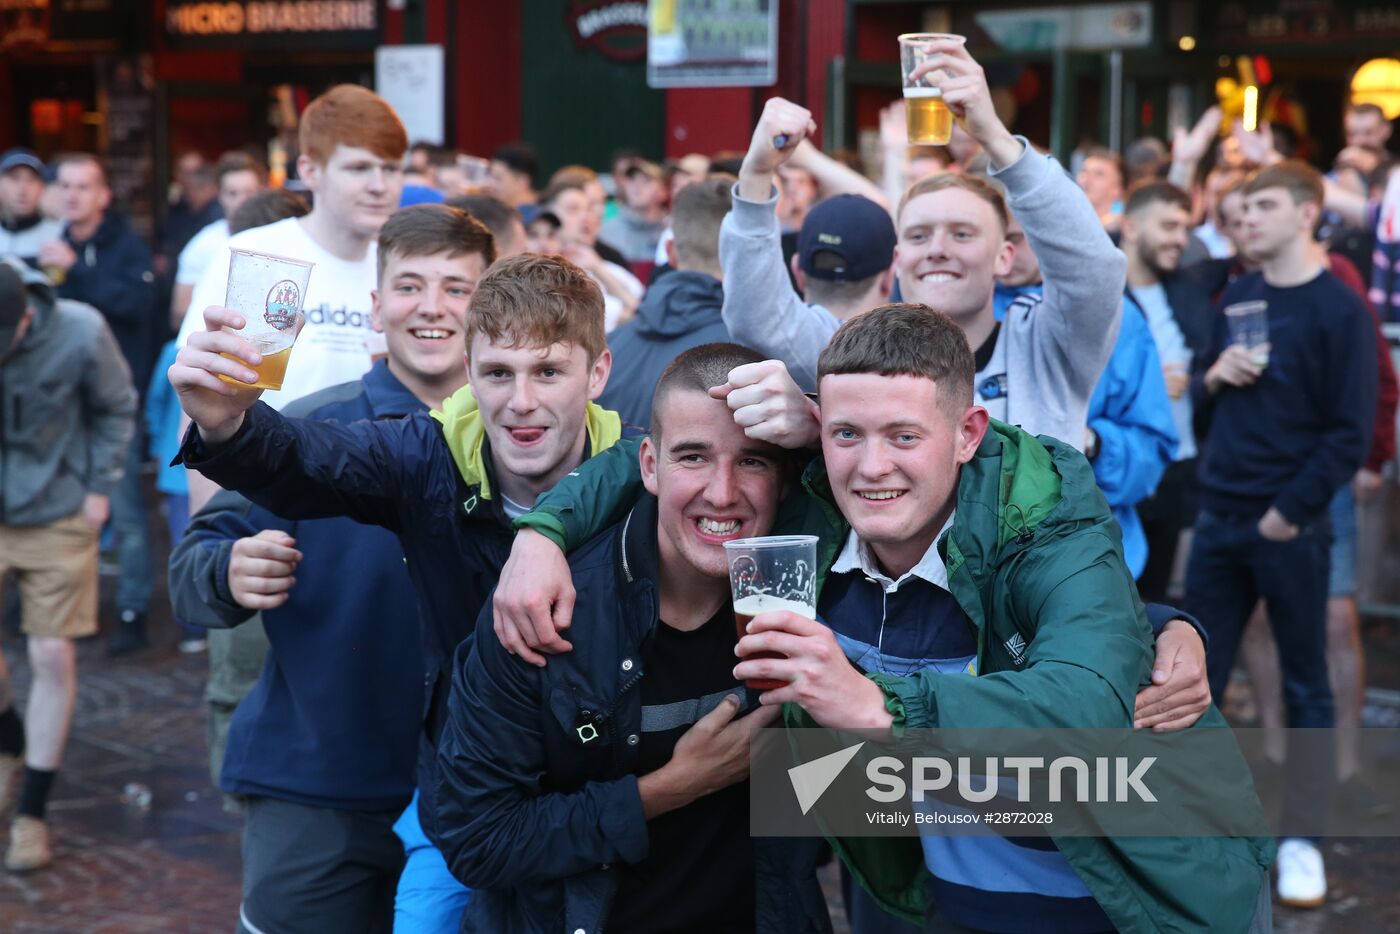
(1038, 367)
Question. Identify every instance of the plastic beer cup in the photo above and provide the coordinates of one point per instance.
(929, 121)
(268, 292)
(767, 574)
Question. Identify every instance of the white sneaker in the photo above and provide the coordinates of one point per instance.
(1302, 881)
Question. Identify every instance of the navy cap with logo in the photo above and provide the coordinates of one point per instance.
(17, 157)
(846, 238)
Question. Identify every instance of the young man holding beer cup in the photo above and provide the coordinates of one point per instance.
(446, 484)
(611, 785)
(972, 578)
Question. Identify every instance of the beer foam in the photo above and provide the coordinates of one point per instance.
(923, 93)
(757, 603)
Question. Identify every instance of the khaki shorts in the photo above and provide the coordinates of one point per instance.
(56, 566)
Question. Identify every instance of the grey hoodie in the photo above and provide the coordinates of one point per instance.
(1053, 349)
(69, 410)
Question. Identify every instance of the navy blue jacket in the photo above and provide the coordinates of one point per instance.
(680, 311)
(537, 792)
(113, 274)
(398, 474)
(335, 717)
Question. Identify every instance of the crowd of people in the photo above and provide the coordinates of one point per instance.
(462, 581)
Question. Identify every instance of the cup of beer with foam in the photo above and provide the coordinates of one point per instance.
(776, 572)
(929, 120)
(268, 292)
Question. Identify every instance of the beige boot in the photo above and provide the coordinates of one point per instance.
(29, 845)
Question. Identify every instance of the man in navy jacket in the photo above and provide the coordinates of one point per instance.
(325, 746)
(608, 790)
(446, 484)
(101, 260)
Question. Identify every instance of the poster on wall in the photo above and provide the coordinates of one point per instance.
(707, 44)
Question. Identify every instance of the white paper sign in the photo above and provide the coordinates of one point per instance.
(410, 78)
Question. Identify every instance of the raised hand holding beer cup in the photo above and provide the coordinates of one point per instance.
(943, 63)
(222, 370)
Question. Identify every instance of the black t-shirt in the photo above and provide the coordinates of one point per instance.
(698, 876)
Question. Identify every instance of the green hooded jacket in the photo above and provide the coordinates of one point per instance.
(1033, 553)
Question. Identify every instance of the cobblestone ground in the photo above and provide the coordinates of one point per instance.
(173, 866)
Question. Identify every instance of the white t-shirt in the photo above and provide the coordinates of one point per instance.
(332, 347)
(210, 242)
(612, 304)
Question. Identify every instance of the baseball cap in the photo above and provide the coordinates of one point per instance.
(846, 238)
(529, 213)
(14, 158)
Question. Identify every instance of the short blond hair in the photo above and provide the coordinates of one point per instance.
(969, 183)
(534, 300)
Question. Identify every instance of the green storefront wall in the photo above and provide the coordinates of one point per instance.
(579, 105)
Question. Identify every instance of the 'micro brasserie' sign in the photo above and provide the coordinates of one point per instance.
(254, 23)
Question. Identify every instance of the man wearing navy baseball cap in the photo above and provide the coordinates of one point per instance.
(23, 228)
(844, 253)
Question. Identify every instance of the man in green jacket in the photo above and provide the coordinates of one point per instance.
(975, 549)
(972, 549)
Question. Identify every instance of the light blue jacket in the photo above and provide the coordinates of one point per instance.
(163, 422)
(1132, 415)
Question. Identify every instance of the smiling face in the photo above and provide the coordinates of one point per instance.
(893, 452)
(950, 251)
(357, 189)
(1158, 233)
(533, 403)
(421, 306)
(713, 484)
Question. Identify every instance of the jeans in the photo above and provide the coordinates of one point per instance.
(1231, 567)
(132, 529)
(1163, 515)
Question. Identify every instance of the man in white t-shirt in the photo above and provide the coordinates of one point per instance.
(240, 177)
(352, 145)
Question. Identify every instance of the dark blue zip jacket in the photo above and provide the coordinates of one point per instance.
(398, 474)
(335, 717)
(681, 311)
(537, 788)
(113, 274)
